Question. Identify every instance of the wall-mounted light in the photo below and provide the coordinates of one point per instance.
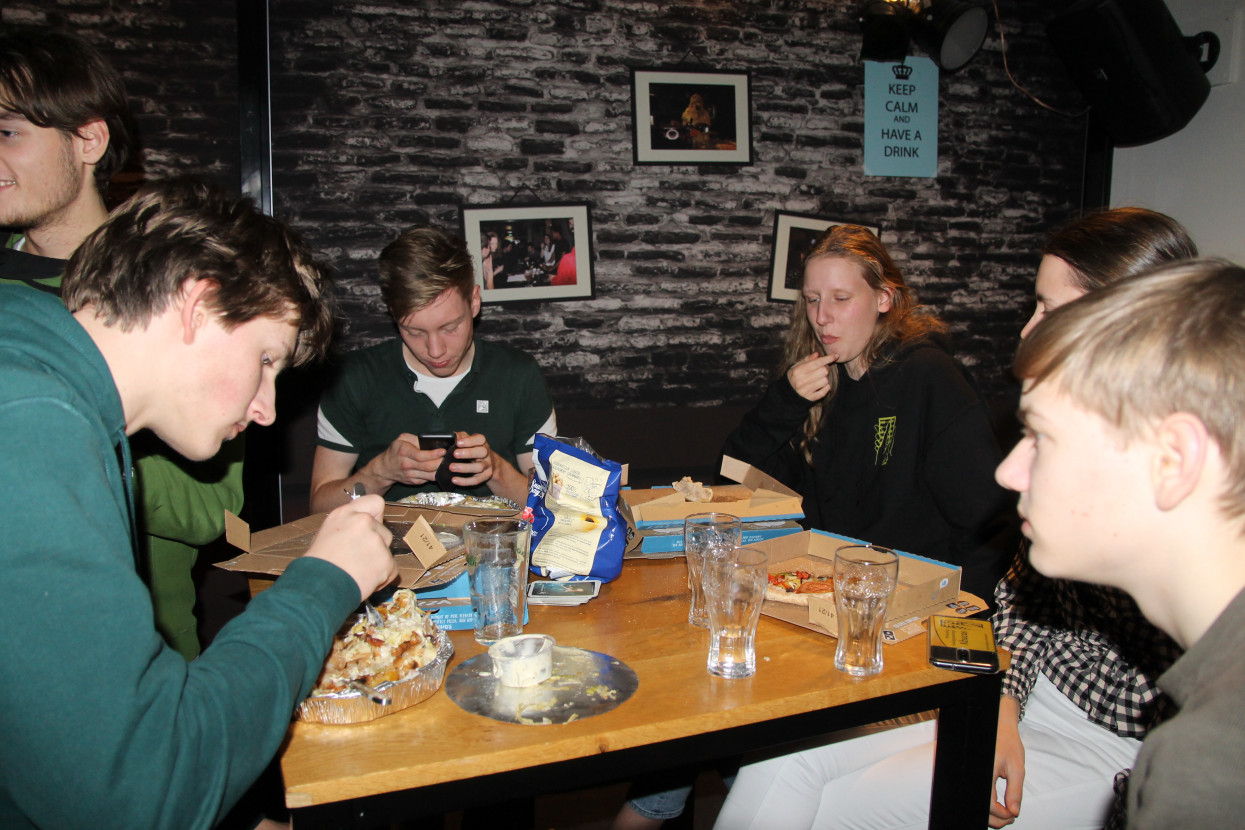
(951, 32)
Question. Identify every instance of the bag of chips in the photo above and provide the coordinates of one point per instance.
(577, 531)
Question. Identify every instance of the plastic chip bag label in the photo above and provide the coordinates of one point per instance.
(577, 532)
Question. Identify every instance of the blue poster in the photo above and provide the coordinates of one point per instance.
(901, 118)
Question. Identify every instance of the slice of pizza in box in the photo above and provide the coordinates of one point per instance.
(926, 586)
(755, 496)
(427, 543)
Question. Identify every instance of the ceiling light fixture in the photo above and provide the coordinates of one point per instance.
(951, 32)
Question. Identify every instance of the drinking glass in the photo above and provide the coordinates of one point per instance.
(497, 561)
(701, 532)
(734, 584)
(865, 577)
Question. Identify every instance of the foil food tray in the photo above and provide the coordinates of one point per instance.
(354, 707)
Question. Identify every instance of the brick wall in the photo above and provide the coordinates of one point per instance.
(179, 61)
(391, 113)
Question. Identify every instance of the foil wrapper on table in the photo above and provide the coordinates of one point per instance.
(353, 707)
(459, 500)
(582, 684)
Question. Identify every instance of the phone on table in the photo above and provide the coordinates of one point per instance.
(962, 644)
(441, 441)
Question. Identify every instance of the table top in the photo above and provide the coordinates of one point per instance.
(641, 619)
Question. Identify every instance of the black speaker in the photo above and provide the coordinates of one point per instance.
(1140, 75)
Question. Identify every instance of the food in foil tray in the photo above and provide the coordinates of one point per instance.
(459, 500)
(405, 640)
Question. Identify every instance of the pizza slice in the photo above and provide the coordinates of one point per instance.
(794, 587)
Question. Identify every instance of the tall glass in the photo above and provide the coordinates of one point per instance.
(865, 577)
(497, 561)
(734, 585)
(701, 532)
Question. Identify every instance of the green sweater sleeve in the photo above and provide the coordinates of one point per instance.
(107, 712)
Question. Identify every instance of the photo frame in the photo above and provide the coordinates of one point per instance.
(685, 117)
(531, 252)
(794, 234)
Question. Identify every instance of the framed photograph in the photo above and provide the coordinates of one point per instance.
(691, 117)
(530, 252)
(794, 234)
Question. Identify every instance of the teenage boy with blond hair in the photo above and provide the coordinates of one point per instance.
(178, 314)
(1131, 473)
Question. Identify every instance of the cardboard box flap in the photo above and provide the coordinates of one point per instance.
(424, 560)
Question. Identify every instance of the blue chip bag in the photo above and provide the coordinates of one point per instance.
(577, 532)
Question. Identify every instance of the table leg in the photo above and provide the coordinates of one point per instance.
(964, 756)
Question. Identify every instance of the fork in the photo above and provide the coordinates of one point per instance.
(374, 618)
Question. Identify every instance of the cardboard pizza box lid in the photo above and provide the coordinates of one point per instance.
(755, 496)
(423, 561)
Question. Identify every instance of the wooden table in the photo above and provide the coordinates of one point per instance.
(435, 757)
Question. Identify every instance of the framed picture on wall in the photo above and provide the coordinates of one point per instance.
(683, 117)
(794, 235)
(530, 252)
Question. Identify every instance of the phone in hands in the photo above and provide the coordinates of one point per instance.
(438, 441)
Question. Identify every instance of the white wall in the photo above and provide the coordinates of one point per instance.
(1197, 175)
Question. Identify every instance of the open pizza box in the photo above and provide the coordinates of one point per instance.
(755, 496)
(926, 586)
(427, 542)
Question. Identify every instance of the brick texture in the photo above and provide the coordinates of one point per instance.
(392, 113)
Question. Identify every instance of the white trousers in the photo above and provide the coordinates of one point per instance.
(881, 780)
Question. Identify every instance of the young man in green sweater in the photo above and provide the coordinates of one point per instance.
(65, 131)
(178, 313)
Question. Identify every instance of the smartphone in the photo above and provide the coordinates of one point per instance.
(962, 645)
(446, 442)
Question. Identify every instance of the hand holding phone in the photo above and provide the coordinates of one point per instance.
(445, 441)
(962, 644)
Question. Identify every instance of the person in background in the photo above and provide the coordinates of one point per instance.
(178, 314)
(880, 430)
(436, 376)
(1083, 660)
(1131, 474)
(873, 421)
(67, 130)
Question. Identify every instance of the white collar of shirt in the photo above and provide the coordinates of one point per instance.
(437, 389)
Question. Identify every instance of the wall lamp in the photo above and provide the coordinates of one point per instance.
(951, 32)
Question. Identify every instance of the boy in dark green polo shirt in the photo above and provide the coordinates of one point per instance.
(435, 377)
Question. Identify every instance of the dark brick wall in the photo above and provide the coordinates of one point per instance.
(179, 61)
(391, 113)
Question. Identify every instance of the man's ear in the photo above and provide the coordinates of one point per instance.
(92, 140)
(1182, 444)
(475, 301)
(194, 311)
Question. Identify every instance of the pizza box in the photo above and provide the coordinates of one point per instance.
(755, 496)
(926, 586)
(666, 541)
(427, 542)
(450, 604)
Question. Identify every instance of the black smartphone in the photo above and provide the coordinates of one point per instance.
(446, 442)
(962, 645)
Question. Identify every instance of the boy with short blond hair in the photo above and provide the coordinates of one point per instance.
(1131, 473)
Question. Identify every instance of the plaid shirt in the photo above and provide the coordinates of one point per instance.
(1090, 641)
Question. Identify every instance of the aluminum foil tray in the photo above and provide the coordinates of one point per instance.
(353, 707)
(459, 500)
